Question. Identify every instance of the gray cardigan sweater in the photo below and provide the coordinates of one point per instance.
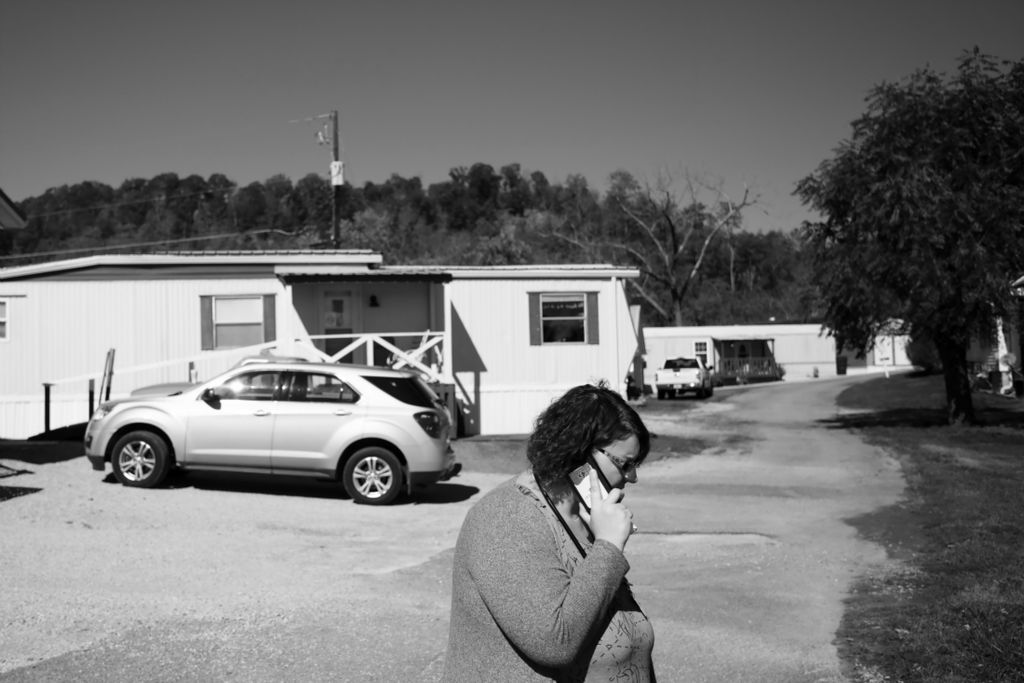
(518, 612)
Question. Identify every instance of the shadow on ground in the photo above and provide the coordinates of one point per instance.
(57, 445)
(917, 400)
(304, 487)
(923, 418)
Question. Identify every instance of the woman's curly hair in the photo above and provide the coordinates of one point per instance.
(584, 418)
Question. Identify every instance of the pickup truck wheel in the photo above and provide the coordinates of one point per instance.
(710, 392)
(373, 476)
(140, 459)
(662, 394)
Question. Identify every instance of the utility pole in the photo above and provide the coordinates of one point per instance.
(337, 170)
(337, 180)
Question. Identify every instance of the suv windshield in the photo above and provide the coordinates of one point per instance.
(681, 364)
(409, 390)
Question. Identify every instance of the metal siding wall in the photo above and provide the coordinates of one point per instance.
(519, 380)
(19, 359)
(19, 353)
(403, 307)
(75, 323)
(628, 339)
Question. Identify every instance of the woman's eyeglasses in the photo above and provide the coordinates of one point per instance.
(625, 466)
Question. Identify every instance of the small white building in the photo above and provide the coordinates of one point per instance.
(505, 341)
(740, 353)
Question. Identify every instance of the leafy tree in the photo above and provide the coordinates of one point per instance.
(484, 187)
(162, 220)
(924, 213)
(540, 190)
(574, 222)
(313, 194)
(185, 205)
(752, 277)
(249, 207)
(134, 202)
(277, 192)
(515, 190)
(451, 201)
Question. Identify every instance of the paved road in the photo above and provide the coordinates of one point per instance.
(748, 556)
(742, 561)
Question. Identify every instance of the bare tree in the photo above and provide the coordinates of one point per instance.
(664, 228)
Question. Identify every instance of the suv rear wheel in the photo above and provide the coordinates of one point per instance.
(373, 476)
(140, 459)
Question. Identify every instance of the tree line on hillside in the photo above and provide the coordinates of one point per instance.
(697, 264)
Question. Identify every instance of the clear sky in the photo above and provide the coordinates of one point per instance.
(754, 92)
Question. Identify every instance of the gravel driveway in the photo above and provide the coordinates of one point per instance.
(742, 561)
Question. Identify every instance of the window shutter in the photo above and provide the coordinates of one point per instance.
(592, 327)
(206, 322)
(269, 318)
(534, 319)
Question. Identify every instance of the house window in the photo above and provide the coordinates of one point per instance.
(700, 350)
(3, 320)
(563, 318)
(233, 321)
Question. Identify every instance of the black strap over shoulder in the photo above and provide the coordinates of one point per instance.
(561, 520)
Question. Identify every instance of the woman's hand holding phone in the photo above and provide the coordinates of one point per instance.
(610, 520)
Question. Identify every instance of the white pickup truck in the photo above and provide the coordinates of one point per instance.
(681, 375)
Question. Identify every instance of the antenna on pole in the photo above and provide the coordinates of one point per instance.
(329, 134)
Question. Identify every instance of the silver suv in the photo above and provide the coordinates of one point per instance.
(379, 431)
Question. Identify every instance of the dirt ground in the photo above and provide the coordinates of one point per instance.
(742, 561)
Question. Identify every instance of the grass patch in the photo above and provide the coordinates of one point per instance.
(953, 609)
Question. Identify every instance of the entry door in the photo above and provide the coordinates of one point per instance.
(336, 317)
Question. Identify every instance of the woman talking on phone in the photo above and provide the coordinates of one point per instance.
(538, 580)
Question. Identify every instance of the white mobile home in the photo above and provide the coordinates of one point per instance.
(504, 340)
(750, 352)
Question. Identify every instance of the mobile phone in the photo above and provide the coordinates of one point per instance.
(580, 478)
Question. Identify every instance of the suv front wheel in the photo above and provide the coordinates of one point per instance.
(140, 458)
(373, 476)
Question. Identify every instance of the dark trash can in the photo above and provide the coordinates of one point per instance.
(841, 365)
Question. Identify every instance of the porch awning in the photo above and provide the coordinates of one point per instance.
(743, 337)
(321, 273)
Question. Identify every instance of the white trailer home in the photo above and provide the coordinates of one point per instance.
(739, 353)
(503, 341)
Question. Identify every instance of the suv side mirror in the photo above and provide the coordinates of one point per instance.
(215, 394)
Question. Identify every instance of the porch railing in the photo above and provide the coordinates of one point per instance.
(426, 358)
(754, 366)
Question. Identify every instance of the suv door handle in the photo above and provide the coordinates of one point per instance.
(339, 411)
(261, 412)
